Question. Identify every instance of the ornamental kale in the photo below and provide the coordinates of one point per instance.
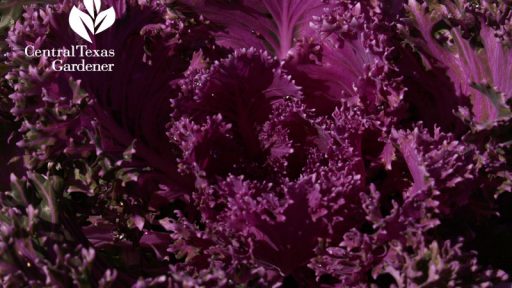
(272, 143)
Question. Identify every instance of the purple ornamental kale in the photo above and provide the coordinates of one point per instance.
(80, 118)
(470, 41)
(265, 25)
(261, 143)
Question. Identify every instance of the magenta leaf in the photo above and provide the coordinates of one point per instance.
(267, 24)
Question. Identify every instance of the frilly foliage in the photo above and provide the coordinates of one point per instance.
(292, 143)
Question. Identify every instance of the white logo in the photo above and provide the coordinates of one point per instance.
(96, 22)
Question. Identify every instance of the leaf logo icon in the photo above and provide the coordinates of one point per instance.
(96, 21)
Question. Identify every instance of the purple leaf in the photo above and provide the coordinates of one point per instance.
(267, 24)
(466, 63)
